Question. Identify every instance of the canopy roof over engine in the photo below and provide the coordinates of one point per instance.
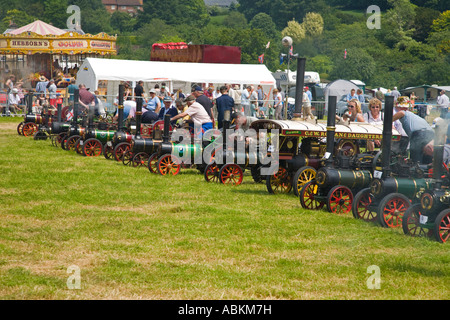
(354, 130)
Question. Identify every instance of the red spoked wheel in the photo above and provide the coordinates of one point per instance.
(108, 151)
(29, 129)
(411, 222)
(167, 165)
(231, 174)
(92, 147)
(280, 182)
(307, 196)
(140, 159)
(339, 200)
(152, 163)
(71, 142)
(127, 158)
(361, 206)
(19, 128)
(120, 149)
(211, 173)
(442, 226)
(391, 210)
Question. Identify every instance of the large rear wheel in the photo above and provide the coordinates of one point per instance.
(302, 176)
(231, 174)
(92, 147)
(442, 226)
(120, 149)
(71, 142)
(391, 210)
(168, 166)
(29, 129)
(339, 200)
(280, 182)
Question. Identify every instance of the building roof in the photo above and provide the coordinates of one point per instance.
(123, 2)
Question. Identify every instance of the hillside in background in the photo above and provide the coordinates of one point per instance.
(339, 39)
(220, 3)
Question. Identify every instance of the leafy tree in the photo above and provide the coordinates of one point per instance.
(399, 23)
(423, 22)
(313, 24)
(441, 41)
(55, 13)
(442, 23)
(122, 21)
(235, 20)
(264, 22)
(173, 12)
(19, 17)
(294, 30)
(358, 65)
(281, 11)
(321, 64)
(153, 32)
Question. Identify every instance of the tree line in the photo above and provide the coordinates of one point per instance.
(410, 47)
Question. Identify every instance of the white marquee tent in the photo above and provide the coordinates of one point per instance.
(175, 74)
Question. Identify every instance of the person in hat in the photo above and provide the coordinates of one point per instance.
(153, 103)
(13, 101)
(41, 86)
(420, 133)
(308, 93)
(168, 108)
(198, 115)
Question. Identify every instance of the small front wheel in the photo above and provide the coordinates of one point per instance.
(391, 210)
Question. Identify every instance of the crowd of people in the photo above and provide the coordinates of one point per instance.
(417, 134)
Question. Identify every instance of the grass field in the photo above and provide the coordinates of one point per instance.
(134, 235)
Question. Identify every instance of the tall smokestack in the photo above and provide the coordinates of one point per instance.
(166, 135)
(299, 84)
(387, 135)
(438, 153)
(30, 102)
(58, 112)
(138, 117)
(120, 108)
(331, 128)
(76, 97)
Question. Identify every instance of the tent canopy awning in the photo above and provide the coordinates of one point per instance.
(95, 69)
(39, 27)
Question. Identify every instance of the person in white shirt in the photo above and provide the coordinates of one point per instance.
(443, 104)
(198, 115)
(14, 100)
